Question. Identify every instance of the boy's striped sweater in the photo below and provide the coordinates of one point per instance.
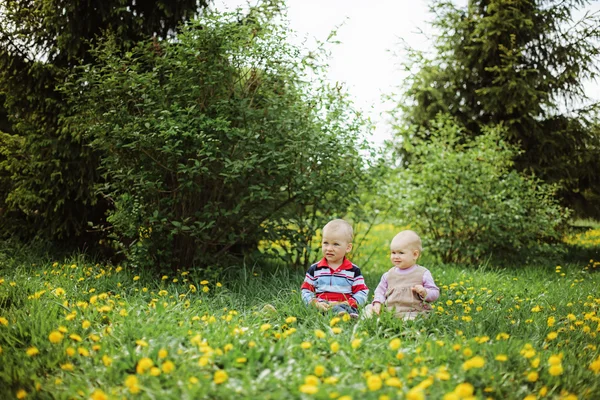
(346, 283)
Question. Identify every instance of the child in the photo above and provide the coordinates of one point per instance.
(407, 288)
(334, 283)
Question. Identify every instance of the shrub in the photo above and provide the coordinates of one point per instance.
(465, 198)
(219, 139)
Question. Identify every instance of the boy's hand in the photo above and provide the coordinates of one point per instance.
(420, 290)
(377, 308)
(320, 305)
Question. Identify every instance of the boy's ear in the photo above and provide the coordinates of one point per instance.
(349, 248)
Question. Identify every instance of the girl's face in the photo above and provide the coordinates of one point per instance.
(404, 255)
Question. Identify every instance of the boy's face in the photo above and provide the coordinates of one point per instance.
(335, 246)
(404, 254)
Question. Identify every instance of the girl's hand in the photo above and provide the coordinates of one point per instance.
(377, 308)
(420, 290)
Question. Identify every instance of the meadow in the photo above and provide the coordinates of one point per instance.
(73, 329)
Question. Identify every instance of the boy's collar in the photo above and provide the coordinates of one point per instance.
(346, 264)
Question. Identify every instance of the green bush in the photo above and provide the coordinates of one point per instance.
(469, 203)
(217, 140)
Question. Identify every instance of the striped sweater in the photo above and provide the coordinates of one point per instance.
(346, 283)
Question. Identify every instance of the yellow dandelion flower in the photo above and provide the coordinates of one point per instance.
(356, 343)
(220, 377)
(320, 334)
(415, 394)
(133, 384)
(552, 335)
(556, 370)
(21, 394)
(311, 380)
(374, 383)
(82, 351)
(554, 360)
(241, 360)
(336, 330)
(3, 321)
(67, 367)
(335, 347)
(319, 370)
(55, 337)
(70, 351)
(532, 376)
(205, 289)
(395, 344)
(162, 353)
(475, 362)
(75, 337)
(393, 382)
(595, 366)
(144, 365)
(309, 389)
(98, 395)
(265, 327)
(141, 343)
(106, 360)
(168, 367)
(305, 345)
(154, 371)
(32, 351)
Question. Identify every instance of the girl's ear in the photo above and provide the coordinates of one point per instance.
(416, 254)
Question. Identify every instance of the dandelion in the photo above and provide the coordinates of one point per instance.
(336, 330)
(241, 360)
(393, 382)
(319, 370)
(356, 343)
(205, 289)
(552, 335)
(331, 380)
(106, 360)
(141, 343)
(415, 393)
(55, 337)
(309, 389)
(75, 337)
(32, 351)
(555, 370)
(162, 353)
(311, 380)
(3, 321)
(136, 278)
(82, 351)
(305, 345)
(335, 347)
(595, 366)
(67, 367)
(220, 377)
(21, 394)
(144, 365)
(98, 395)
(290, 320)
(320, 334)
(550, 322)
(374, 383)
(70, 351)
(536, 309)
(265, 327)
(475, 362)
(168, 367)
(532, 376)
(464, 390)
(133, 384)
(394, 344)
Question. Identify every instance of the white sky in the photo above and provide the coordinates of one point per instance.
(370, 34)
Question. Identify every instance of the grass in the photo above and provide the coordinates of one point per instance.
(70, 329)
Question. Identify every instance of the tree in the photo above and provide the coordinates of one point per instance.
(217, 140)
(47, 172)
(522, 65)
(469, 202)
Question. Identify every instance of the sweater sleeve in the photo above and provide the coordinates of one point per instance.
(381, 290)
(360, 291)
(308, 286)
(433, 292)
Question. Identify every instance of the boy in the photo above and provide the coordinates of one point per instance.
(334, 283)
(407, 288)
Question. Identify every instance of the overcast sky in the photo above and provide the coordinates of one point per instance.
(370, 34)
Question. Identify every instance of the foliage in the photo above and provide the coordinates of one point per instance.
(46, 182)
(465, 198)
(217, 140)
(75, 329)
(523, 65)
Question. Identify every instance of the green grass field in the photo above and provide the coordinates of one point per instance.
(72, 330)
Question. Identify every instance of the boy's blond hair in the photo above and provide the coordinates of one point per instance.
(340, 226)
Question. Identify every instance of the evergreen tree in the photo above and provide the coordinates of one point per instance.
(47, 173)
(521, 64)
